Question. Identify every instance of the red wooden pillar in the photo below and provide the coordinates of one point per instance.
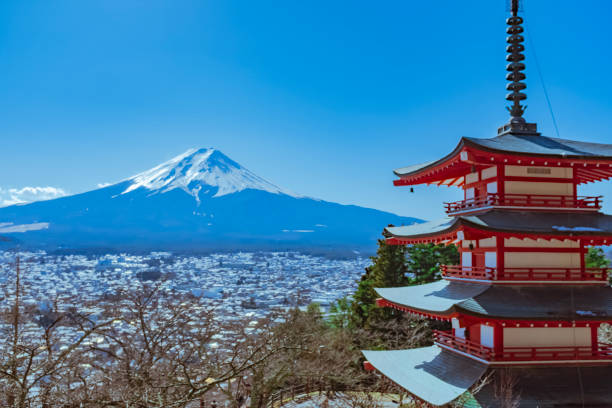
(501, 188)
(575, 182)
(499, 241)
(498, 338)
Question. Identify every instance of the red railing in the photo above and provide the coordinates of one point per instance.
(446, 338)
(601, 351)
(524, 200)
(525, 274)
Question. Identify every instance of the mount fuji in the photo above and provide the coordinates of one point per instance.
(200, 200)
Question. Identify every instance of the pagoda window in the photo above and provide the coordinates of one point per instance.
(469, 193)
(490, 260)
(466, 259)
(487, 336)
(458, 331)
(492, 188)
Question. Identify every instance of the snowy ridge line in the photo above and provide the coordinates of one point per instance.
(196, 170)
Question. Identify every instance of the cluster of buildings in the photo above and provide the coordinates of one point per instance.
(235, 284)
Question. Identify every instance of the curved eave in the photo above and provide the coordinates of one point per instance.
(594, 229)
(450, 165)
(429, 373)
(445, 315)
(452, 168)
(447, 299)
(437, 231)
(436, 300)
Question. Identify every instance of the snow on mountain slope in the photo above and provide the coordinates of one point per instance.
(200, 200)
(200, 170)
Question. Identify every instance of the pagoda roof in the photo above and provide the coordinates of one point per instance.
(512, 222)
(547, 387)
(452, 167)
(437, 297)
(537, 302)
(543, 145)
(430, 373)
(439, 377)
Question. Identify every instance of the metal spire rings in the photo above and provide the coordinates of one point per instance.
(515, 67)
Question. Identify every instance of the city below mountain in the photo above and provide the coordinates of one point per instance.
(198, 201)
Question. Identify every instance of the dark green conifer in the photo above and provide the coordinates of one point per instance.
(424, 261)
(388, 269)
(397, 265)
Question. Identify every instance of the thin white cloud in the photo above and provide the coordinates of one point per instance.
(102, 185)
(23, 195)
(8, 227)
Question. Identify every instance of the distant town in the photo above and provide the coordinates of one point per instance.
(235, 284)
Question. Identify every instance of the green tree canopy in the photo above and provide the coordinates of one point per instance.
(595, 258)
(397, 265)
(388, 269)
(424, 260)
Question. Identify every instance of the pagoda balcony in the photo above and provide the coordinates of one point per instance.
(599, 275)
(525, 201)
(598, 352)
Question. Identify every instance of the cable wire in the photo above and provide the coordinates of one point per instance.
(537, 64)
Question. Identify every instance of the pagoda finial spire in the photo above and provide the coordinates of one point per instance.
(516, 66)
(515, 75)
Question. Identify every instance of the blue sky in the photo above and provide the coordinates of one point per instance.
(322, 98)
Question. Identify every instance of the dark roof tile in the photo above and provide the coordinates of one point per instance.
(542, 302)
(553, 223)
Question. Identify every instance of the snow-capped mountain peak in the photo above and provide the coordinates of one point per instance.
(198, 170)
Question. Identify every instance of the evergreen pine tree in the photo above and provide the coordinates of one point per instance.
(388, 269)
(595, 258)
(424, 261)
(397, 265)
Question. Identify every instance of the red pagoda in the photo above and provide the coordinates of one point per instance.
(521, 303)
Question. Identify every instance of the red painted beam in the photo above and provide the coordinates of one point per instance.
(368, 366)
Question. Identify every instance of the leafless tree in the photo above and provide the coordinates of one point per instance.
(145, 346)
(604, 333)
(506, 393)
(34, 360)
(166, 349)
(148, 346)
